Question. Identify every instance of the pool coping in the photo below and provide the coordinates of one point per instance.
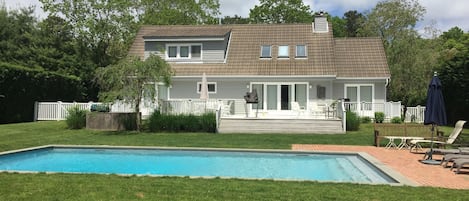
(399, 178)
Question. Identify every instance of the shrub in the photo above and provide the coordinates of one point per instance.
(396, 120)
(365, 120)
(23, 86)
(76, 118)
(181, 123)
(379, 117)
(208, 122)
(352, 121)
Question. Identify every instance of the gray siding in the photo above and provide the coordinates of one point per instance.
(225, 90)
(379, 90)
(154, 48)
(212, 51)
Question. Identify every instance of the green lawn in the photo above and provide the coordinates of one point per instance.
(112, 187)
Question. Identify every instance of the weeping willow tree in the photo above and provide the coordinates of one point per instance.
(126, 80)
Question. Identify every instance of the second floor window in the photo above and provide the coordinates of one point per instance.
(266, 51)
(190, 51)
(283, 51)
(300, 51)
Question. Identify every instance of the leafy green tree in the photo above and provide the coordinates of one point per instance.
(454, 73)
(338, 27)
(17, 32)
(394, 22)
(235, 20)
(281, 11)
(105, 27)
(126, 80)
(177, 12)
(353, 22)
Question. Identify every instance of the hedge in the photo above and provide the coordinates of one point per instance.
(22, 86)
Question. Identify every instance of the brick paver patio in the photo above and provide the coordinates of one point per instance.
(405, 163)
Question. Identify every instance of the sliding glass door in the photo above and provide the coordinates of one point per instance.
(278, 96)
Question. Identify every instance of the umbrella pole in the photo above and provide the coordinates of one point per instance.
(430, 155)
(430, 160)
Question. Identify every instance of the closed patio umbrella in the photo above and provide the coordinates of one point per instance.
(435, 113)
(204, 90)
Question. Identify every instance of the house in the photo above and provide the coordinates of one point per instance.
(285, 63)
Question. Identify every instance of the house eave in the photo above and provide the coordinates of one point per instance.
(258, 76)
(363, 78)
(181, 39)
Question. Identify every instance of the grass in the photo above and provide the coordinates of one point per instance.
(16, 136)
(111, 187)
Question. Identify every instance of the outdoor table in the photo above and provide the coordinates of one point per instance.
(404, 141)
(391, 142)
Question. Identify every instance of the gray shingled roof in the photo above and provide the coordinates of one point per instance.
(360, 57)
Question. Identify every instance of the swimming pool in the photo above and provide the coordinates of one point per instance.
(248, 164)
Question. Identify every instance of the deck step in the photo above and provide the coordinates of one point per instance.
(286, 126)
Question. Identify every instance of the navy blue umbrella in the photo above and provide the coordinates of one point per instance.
(435, 113)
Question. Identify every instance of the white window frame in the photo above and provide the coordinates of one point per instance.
(358, 91)
(270, 52)
(178, 51)
(301, 56)
(283, 56)
(199, 84)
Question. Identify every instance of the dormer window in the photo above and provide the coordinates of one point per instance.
(283, 51)
(183, 51)
(266, 51)
(301, 51)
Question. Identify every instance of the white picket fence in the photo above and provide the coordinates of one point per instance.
(45, 111)
(415, 114)
(55, 111)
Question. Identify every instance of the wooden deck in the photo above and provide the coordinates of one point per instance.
(281, 126)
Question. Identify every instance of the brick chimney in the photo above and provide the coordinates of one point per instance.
(320, 24)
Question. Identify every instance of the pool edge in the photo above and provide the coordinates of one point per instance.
(398, 177)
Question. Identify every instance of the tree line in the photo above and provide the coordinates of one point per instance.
(79, 36)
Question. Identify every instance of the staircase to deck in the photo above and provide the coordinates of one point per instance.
(282, 126)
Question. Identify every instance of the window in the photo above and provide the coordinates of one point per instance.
(300, 51)
(184, 51)
(283, 51)
(320, 92)
(212, 87)
(172, 51)
(195, 51)
(266, 51)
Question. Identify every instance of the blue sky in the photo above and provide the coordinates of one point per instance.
(441, 14)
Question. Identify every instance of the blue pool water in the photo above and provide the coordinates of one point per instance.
(160, 162)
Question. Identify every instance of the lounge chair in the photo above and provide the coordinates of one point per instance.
(451, 157)
(460, 150)
(452, 137)
(459, 163)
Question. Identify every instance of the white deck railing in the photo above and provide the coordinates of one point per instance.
(58, 110)
(366, 109)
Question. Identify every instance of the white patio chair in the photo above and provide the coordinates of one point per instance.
(295, 106)
(317, 109)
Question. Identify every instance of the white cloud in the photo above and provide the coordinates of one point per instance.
(237, 7)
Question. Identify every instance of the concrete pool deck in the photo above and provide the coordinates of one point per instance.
(403, 162)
